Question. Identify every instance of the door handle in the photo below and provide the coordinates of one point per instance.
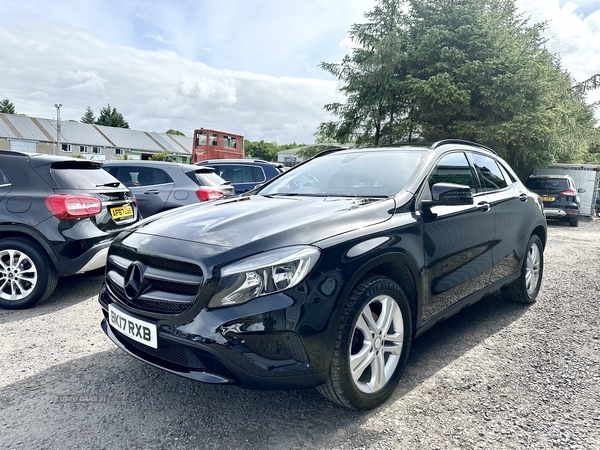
(523, 197)
(154, 191)
(483, 206)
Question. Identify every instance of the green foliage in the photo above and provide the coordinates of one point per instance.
(470, 69)
(266, 150)
(124, 157)
(175, 132)
(110, 117)
(7, 107)
(159, 156)
(77, 156)
(88, 117)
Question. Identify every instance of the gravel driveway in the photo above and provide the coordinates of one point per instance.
(497, 375)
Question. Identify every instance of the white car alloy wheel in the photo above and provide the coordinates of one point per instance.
(18, 275)
(376, 344)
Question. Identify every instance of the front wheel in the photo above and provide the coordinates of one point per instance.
(372, 345)
(526, 288)
(26, 275)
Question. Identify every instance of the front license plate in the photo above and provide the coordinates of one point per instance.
(547, 199)
(139, 330)
(121, 212)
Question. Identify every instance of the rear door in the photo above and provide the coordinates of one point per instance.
(514, 213)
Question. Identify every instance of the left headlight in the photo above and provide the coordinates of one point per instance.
(265, 273)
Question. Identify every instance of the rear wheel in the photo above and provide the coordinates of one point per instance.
(526, 288)
(574, 221)
(372, 345)
(26, 275)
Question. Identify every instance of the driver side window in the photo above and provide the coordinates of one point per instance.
(453, 168)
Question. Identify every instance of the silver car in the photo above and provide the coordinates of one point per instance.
(159, 186)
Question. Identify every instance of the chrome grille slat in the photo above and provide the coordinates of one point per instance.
(171, 288)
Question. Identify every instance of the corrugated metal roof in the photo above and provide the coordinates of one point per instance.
(5, 131)
(26, 128)
(94, 135)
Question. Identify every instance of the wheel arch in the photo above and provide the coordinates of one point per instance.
(401, 269)
(7, 231)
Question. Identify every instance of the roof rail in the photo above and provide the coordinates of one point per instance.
(462, 141)
(330, 150)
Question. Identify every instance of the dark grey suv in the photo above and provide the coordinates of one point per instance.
(559, 195)
(57, 217)
(159, 186)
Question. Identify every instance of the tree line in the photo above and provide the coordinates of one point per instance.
(426, 70)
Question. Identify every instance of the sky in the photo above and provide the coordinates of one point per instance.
(245, 67)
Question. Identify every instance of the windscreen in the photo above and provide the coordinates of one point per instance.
(82, 176)
(349, 174)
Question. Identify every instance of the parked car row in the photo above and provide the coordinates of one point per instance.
(320, 276)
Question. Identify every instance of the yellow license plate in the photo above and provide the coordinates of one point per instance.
(547, 199)
(121, 212)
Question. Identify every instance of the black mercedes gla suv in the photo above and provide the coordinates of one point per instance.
(324, 275)
(58, 216)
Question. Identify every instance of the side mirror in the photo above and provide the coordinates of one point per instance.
(449, 194)
(581, 190)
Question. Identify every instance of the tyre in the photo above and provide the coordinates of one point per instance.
(26, 275)
(371, 347)
(574, 222)
(526, 288)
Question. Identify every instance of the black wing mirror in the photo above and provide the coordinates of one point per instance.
(449, 194)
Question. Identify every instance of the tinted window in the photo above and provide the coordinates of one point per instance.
(240, 173)
(140, 176)
(68, 176)
(3, 178)
(490, 176)
(453, 168)
(542, 184)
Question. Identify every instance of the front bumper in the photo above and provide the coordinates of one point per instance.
(237, 356)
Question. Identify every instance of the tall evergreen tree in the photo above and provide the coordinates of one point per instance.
(110, 117)
(7, 107)
(471, 69)
(88, 117)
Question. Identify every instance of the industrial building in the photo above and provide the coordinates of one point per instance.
(34, 135)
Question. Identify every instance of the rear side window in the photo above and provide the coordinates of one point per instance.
(240, 173)
(132, 176)
(552, 184)
(490, 175)
(453, 168)
(3, 178)
(80, 175)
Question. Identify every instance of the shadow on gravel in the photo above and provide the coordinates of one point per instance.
(69, 291)
(110, 400)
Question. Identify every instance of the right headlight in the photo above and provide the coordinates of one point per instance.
(265, 273)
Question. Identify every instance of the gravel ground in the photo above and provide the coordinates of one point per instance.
(497, 375)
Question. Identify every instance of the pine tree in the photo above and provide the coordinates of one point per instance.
(7, 107)
(110, 117)
(88, 117)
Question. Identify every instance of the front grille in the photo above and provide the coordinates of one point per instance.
(168, 286)
(170, 352)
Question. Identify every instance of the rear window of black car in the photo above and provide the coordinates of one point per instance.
(551, 184)
(81, 175)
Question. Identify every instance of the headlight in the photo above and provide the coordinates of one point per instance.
(266, 273)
